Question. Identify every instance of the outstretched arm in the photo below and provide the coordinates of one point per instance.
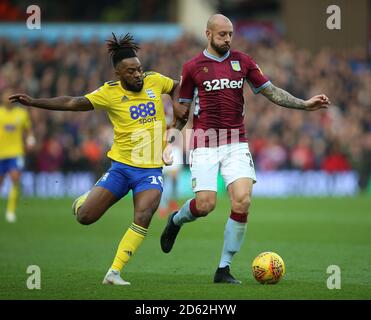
(58, 103)
(285, 99)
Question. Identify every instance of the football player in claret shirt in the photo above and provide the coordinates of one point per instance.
(213, 80)
(14, 125)
(134, 106)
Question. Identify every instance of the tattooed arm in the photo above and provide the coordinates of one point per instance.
(285, 99)
(58, 103)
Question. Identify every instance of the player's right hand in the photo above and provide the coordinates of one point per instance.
(320, 101)
(181, 111)
(21, 98)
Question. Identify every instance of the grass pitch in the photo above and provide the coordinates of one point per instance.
(308, 233)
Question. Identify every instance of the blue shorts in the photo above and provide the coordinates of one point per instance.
(10, 164)
(121, 178)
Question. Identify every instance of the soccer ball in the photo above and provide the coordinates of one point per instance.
(268, 268)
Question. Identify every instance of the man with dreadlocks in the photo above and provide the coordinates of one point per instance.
(136, 111)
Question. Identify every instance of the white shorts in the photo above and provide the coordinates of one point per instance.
(234, 160)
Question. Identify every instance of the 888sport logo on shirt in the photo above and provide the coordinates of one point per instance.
(142, 111)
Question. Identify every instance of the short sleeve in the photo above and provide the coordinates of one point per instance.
(98, 98)
(255, 77)
(187, 85)
(168, 84)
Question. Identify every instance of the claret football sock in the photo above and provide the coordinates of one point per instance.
(185, 213)
(234, 234)
(130, 242)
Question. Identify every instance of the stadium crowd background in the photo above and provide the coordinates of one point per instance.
(336, 140)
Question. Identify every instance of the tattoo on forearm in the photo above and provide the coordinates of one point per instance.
(283, 98)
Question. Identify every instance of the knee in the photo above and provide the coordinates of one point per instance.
(16, 182)
(84, 217)
(205, 207)
(143, 218)
(15, 177)
(241, 204)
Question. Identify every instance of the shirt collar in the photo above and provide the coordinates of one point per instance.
(211, 56)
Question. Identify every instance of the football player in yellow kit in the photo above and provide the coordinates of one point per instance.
(135, 108)
(14, 124)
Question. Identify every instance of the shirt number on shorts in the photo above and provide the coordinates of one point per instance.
(142, 110)
(157, 180)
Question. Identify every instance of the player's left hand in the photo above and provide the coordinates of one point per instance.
(317, 102)
(167, 155)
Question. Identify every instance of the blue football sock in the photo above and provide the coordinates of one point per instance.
(234, 234)
(184, 214)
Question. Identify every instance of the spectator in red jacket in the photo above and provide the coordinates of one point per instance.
(335, 160)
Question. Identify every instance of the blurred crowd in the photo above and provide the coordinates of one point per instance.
(338, 139)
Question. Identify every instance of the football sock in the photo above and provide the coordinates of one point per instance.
(185, 214)
(234, 234)
(130, 242)
(13, 198)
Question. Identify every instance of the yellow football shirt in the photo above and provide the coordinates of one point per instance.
(12, 124)
(138, 119)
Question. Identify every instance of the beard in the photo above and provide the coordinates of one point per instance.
(134, 87)
(222, 50)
